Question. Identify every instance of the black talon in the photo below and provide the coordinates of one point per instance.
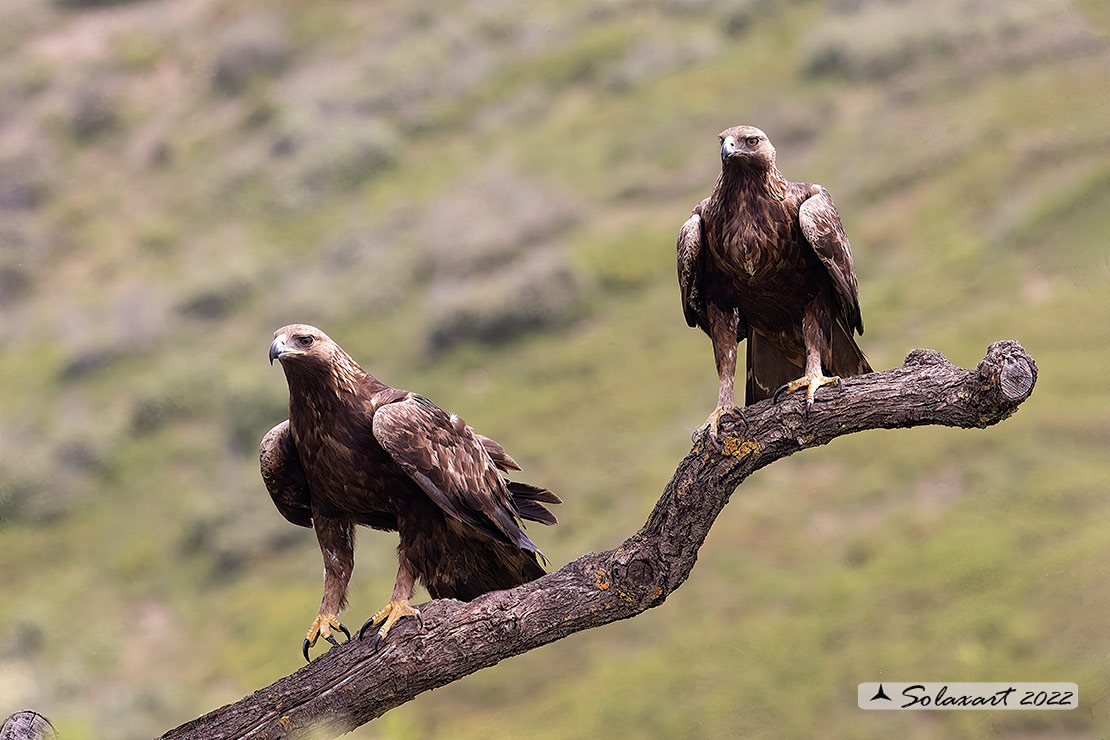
(344, 630)
(332, 640)
(365, 625)
(743, 418)
(304, 650)
(778, 392)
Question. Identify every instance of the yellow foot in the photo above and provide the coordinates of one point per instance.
(322, 627)
(713, 423)
(387, 616)
(810, 382)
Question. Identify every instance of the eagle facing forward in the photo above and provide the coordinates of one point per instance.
(767, 260)
(356, 451)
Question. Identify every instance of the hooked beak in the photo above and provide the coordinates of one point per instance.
(277, 349)
(728, 147)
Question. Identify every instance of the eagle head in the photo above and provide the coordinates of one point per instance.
(308, 355)
(746, 146)
(300, 343)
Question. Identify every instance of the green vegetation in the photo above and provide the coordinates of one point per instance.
(481, 204)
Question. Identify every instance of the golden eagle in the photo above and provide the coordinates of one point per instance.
(767, 260)
(356, 451)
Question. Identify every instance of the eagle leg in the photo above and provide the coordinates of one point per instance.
(810, 382)
(713, 422)
(322, 627)
(335, 536)
(723, 328)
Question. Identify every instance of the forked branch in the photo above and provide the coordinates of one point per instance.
(353, 684)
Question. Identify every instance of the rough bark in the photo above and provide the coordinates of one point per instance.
(353, 684)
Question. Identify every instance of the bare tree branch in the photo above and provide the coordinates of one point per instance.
(352, 684)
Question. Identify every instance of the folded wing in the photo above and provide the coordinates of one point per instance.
(454, 467)
(823, 229)
(688, 250)
(284, 476)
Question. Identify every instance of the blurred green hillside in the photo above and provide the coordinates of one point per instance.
(479, 202)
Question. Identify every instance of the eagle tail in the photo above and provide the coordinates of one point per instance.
(767, 370)
(489, 568)
(768, 367)
(530, 500)
(847, 358)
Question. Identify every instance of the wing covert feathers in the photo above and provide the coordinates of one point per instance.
(500, 458)
(688, 250)
(456, 468)
(823, 229)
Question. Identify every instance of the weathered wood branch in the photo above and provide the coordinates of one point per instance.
(27, 725)
(353, 684)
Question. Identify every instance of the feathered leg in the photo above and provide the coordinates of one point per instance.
(336, 538)
(722, 330)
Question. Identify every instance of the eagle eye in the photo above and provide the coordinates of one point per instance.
(304, 341)
(753, 141)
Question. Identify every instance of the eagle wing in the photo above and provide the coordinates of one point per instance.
(452, 464)
(691, 237)
(284, 476)
(824, 231)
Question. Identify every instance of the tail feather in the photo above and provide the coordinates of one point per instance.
(532, 511)
(532, 493)
(490, 569)
(529, 502)
(768, 368)
(847, 358)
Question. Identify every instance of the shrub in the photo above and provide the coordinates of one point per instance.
(534, 292)
(217, 302)
(253, 48)
(22, 184)
(340, 156)
(92, 112)
(479, 224)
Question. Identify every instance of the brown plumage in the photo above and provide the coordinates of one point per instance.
(356, 451)
(767, 260)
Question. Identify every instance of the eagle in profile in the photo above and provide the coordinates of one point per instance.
(767, 260)
(356, 451)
